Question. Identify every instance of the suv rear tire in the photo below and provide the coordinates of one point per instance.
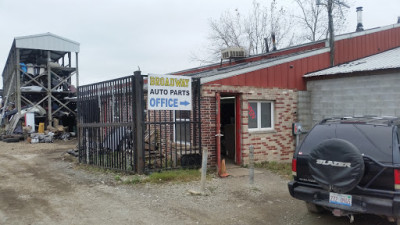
(336, 165)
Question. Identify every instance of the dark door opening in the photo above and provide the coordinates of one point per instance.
(228, 129)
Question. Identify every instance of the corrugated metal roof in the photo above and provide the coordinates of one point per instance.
(385, 60)
(47, 41)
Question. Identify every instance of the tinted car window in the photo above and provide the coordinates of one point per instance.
(318, 134)
(375, 141)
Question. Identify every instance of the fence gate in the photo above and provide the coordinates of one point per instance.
(116, 130)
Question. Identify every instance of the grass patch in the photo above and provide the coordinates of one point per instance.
(170, 176)
(95, 169)
(134, 180)
(282, 169)
(174, 176)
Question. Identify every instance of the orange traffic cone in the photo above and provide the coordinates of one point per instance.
(222, 170)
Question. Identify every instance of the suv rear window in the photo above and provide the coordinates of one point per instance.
(375, 141)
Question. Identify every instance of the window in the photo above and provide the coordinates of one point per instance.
(261, 115)
(182, 127)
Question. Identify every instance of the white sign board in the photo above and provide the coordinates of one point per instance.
(169, 92)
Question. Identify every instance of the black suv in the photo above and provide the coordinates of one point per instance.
(350, 165)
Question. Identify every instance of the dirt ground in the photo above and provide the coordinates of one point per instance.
(39, 184)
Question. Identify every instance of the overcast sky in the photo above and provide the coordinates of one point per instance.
(158, 35)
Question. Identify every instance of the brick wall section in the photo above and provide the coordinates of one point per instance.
(277, 145)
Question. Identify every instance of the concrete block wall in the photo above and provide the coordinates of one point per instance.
(304, 109)
(377, 95)
(276, 145)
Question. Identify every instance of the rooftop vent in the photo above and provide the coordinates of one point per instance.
(360, 26)
(233, 53)
(273, 41)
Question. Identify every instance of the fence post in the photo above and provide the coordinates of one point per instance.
(87, 147)
(204, 169)
(251, 165)
(139, 122)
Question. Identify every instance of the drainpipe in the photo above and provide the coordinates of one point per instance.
(360, 26)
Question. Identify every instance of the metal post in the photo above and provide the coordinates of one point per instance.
(199, 111)
(49, 116)
(87, 146)
(77, 91)
(77, 70)
(69, 59)
(139, 122)
(18, 82)
(204, 169)
(251, 165)
(331, 33)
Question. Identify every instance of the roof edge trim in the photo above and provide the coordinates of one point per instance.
(365, 32)
(46, 34)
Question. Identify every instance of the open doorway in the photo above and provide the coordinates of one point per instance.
(228, 129)
(229, 138)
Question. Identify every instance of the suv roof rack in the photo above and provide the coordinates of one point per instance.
(369, 119)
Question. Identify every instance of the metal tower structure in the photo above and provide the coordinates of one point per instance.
(39, 72)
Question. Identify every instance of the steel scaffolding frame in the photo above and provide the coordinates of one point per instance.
(51, 74)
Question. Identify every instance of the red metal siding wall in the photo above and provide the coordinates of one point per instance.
(362, 46)
(346, 50)
(280, 76)
(283, 76)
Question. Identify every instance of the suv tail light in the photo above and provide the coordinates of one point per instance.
(294, 168)
(397, 179)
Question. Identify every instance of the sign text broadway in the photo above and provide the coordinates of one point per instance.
(169, 92)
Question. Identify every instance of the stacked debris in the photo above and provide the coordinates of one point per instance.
(56, 131)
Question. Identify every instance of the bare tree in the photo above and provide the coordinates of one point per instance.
(250, 31)
(313, 19)
(256, 28)
(227, 31)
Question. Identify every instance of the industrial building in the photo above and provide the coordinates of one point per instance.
(39, 82)
(253, 101)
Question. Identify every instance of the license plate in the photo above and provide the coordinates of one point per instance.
(340, 199)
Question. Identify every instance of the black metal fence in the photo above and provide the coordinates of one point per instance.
(116, 130)
(106, 124)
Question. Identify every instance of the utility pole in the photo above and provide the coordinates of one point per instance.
(331, 33)
(329, 6)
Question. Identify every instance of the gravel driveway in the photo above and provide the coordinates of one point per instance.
(40, 185)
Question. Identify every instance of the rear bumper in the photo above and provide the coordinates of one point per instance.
(361, 204)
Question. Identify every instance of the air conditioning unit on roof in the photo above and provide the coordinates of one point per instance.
(233, 53)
